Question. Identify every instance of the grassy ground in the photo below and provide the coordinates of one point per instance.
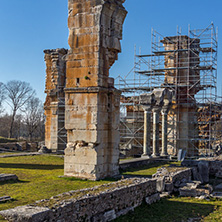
(147, 171)
(38, 179)
(176, 210)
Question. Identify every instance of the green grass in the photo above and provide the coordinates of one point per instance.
(176, 210)
(128, 158)
(38, 179)
(148, 171)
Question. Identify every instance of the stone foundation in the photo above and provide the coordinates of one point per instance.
(207, 166)
(117, 199)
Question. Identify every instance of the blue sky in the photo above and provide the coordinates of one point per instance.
(30, 26)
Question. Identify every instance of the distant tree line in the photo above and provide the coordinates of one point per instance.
(24, 117)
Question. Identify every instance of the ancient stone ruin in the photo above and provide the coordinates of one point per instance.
(83, 107)
(55, 133)
(186, 65)
(159, 101)
(91, 102)
(186, 84)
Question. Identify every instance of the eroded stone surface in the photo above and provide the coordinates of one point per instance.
(153, 198)
(184, 109)
(55, 134)
(115, 199)
(91, 101)
(26, 214)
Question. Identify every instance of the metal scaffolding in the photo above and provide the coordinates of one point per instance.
(187, 65)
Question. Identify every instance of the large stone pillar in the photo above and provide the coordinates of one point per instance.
(159, 101)
(156, 119)
(164, 113)
(183, 75)
(147, 130)
(55, 133)
(147, 101)
(166, 107)
(92, 102)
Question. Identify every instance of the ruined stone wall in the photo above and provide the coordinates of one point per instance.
(117, 199)
(213, 165)
(182, 74)
(55, 134)
(92, 102)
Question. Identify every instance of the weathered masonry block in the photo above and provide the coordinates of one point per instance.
(91, 101)
(55, 133)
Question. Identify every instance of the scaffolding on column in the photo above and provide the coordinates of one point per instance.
(187, 65)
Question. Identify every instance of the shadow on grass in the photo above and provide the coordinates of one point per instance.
(31, 166)
(8, 202)
(147, 167)
(167, 211)
(13, 181)
(109, 179)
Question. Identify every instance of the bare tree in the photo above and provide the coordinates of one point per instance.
(34, 114)
(18, 94)
(2, 96)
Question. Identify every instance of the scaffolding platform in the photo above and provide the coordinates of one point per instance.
(188, 67)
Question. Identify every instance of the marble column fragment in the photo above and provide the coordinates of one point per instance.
(166, 107)
(146, 135)
(156, 117)
(147, 100)
(164, 132)
(159, 101)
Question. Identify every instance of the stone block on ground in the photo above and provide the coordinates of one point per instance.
(6, 177)
(203, 169)
(161, 172)
(169, 187)
(109, 215)
(153, 198)
(164, 194)
(26, 214)
(218, 187)
(160, 184)
(217, 195)
(5, 199)
(194, 189)
(173, 177)
(196, 175)
(44, 149)
(187, 192)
